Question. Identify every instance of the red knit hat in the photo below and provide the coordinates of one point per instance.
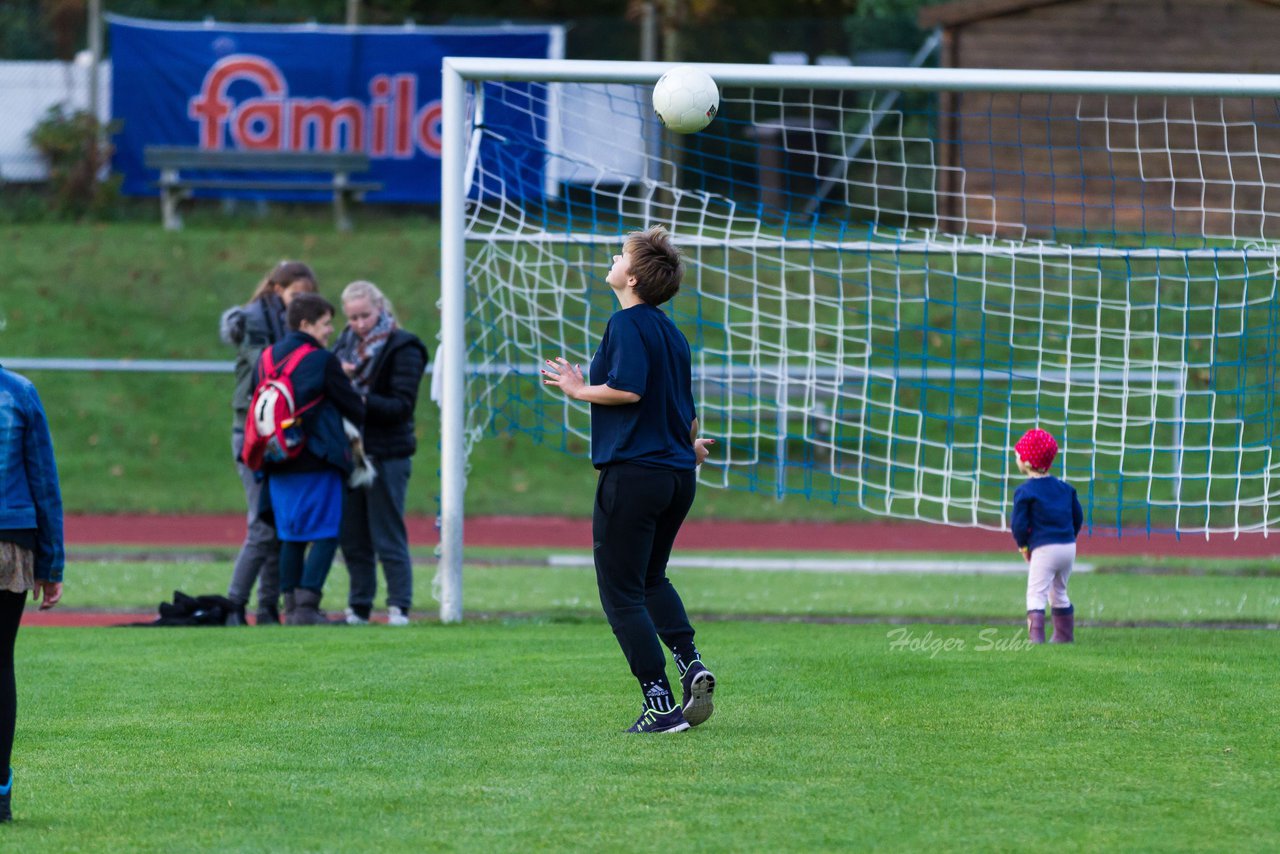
(1037, 448)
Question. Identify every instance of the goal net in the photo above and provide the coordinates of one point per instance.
(893, 273)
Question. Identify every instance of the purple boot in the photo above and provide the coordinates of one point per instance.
(1035, 626)
(1064, 624)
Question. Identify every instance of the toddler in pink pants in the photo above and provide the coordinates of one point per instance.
(1046, 519)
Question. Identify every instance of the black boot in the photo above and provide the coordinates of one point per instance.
(235, 617)
(290, 606)
(307, 610)
(268, 614)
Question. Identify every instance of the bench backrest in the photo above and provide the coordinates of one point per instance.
(181, 157)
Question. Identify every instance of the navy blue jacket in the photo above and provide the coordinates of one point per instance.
(1045, 511)
(319, 373)
(30, 500)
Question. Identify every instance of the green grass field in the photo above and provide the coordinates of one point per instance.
(933, 727)
(505, 736)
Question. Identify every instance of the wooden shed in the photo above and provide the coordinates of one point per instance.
(1147, 165)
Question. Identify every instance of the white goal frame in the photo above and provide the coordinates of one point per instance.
(459, 72)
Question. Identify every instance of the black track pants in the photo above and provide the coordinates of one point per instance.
(638, 512)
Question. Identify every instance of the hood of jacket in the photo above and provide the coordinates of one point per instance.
(231, 326)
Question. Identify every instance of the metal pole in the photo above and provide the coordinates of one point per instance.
(95, 55)
(870, 77)
(652, 131)
(353, 13)
(648, 31)
(453, 249)
(672, 14)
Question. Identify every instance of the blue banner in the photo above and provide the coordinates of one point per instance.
(307, 88)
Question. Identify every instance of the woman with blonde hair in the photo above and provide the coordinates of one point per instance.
(251, 328)
(385, 364)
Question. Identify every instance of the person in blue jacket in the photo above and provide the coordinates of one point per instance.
(31, 550)
(1046, 520)
(305, 493)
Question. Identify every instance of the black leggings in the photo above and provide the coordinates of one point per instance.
(11, 605)
(307, 569)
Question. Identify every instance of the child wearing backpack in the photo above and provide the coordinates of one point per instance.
(295, 437)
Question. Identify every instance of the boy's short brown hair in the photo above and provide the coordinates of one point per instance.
(307, 308)
(655, 264)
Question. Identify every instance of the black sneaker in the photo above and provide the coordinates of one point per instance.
(698, 684)
(6, 812)
(653, 721)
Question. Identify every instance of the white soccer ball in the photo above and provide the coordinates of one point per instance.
(686, 99)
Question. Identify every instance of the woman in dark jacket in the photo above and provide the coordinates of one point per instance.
(305, 493)
(257, 324)
(31, 551)
(385, 364)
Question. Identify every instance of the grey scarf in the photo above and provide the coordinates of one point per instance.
(363, 352)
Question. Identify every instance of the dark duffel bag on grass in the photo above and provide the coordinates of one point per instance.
(187, 610)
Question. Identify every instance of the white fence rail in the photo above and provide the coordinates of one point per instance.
(140, 366)
(709, 373)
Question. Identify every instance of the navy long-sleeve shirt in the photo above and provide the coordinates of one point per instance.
(1045, 511)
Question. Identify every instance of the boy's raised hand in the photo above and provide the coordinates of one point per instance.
(564, 376)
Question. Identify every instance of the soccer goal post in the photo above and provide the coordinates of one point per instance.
(892, 273)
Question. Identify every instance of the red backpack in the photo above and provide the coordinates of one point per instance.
(273, 431)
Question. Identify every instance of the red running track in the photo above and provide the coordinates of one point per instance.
(564, 533)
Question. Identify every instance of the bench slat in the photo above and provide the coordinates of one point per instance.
(176, 157)
(301, 186)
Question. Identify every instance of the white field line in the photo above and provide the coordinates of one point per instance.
(1013, 566)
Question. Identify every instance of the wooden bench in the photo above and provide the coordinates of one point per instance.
(176, 163)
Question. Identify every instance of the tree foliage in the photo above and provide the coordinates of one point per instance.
(710, 30)
(77, 149)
